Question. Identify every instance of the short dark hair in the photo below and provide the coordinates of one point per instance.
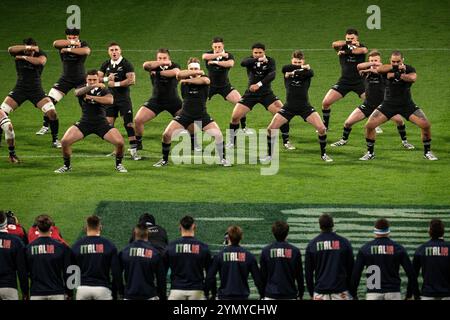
(187, 222)
(72, 31)
(280, 230)
(44, 223)
(234, 234)
(163, 50)
(258, 45)
(92, 72)
(397, 53)
(93, 222)
(140, 231)
(326, 222)
(298, 54)
(217, 39)
(29, 42)
(382, 224)
(147, 219)
(352, 31)
(437, 229)
(374, 53)
(113, 44)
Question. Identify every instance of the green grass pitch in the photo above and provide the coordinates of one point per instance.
(397, 178)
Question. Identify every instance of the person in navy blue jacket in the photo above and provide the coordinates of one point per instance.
(12, 263)
(433, 259)
(386, 256)
(97, 258)
(281, 266)
(234, 263)
(328, 264)
(47, 264)
(188, 260)
(142, 265)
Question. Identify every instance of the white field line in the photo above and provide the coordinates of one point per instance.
(369, 220)
(229, 219)
(370, 212)
(342, 226)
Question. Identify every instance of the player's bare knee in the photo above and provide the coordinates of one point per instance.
(167, 136)
(322, 130)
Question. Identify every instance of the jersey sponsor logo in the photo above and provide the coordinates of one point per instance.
(5, 244)
(382, 249)
(281, 253)
(234, 256)
(92, 248)
(436, 251)
(42, 249)
(187, 248)
(328, 245)
(141, 252)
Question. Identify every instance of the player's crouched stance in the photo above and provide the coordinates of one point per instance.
(92, 98)
(397, 100)
(194, 91)
(297, 79)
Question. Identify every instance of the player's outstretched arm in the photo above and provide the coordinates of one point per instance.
(184, 74)
(198, 81)
(223, 64)
(15, 50)
(170, 73)
(83, 90)
(210, 56)
(152, 65)
(42, 60)
(337, 45)
(105, 100)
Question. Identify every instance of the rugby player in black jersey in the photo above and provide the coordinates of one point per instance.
(194, 90)
(30, 61)
(397, 100)
(163, 76)
(297, 79)
(118, 74)
(93, 98)
(73, 53)
(375, 85)
(260, 72)
(351, 52)
(219, 62)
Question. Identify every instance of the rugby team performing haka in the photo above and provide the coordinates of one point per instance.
(104, 94)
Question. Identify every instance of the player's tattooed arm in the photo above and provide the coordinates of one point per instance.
(129, 81)
(83, 90)
(385, 68)
(105, 100)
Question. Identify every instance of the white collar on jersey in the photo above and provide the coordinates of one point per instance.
(115, 63)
